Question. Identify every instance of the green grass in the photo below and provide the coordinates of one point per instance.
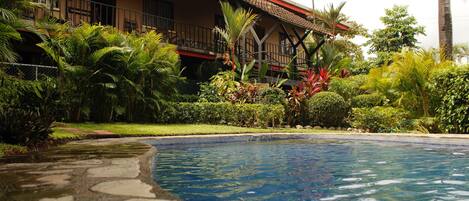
(125, 129)
(61, 134)
(7, 149)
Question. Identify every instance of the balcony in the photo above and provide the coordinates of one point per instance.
(187, 37)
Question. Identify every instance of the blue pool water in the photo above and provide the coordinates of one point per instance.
(313, 170)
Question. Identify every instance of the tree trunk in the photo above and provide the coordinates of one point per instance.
(445, 28)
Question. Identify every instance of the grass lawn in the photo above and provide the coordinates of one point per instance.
(126, 129)
(7, 149)
(63, 134)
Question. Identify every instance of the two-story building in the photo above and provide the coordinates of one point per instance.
(277, 38)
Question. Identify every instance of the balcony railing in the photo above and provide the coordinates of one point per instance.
(186, 36)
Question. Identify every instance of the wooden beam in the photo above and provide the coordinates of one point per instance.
(269, 32)
(288, 35)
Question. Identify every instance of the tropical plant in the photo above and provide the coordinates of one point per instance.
(445, 28)
(237, 23)
(108, 74)
(332, 16)
(406, 81)
(9, 24)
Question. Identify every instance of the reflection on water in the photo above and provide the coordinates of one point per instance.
(313, 170)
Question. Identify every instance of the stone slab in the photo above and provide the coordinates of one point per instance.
(129, 187)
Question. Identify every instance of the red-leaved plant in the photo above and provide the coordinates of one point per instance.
(311, 84)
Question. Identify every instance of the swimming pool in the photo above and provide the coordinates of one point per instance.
(313, 170)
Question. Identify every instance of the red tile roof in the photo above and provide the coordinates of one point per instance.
(286, 15)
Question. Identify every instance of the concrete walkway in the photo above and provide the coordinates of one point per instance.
(120, 168)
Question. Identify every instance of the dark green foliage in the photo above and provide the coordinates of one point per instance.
(106, 75)
(348, 87)
(209, 93)
(251, 115)
(368, 100)
(272, 95)
(452, 88)
(379, 119)
(327, 109)
(27, 110)
(188, 98)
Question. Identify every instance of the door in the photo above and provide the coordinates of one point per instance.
(104, 12)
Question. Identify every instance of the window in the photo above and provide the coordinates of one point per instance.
(50, 3)
(285, 47)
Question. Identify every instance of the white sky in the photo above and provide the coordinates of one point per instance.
(368, 12)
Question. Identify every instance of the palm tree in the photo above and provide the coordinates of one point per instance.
(237, 23)
(445, 27)
(8, 33)
(332, 16)
(9, 24)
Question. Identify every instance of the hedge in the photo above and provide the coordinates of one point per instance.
(348, 87)
(368, 100)
(250, 115)
(379, 119)
(452, 88)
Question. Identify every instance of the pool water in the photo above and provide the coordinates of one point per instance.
(313, 170)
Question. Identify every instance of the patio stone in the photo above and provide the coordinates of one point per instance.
(66, 198)
(124, 168)
(58, 180)
(130, 187)
(51, 172)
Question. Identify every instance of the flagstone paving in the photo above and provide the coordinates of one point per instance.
(82, 171)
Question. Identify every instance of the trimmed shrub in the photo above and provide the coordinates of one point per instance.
(452, 89)
(368, 100)
(272, 95)
(327, 109)
(348, 87)
(379, 119)
(250, 115)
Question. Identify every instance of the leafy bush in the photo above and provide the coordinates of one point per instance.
(368, 100)
(427, 125)
(27, 110)
(452, 88)
(209, 93)
(378, 119)
(327, 109)
(272, 95)
(250, 115)
(348, 87)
